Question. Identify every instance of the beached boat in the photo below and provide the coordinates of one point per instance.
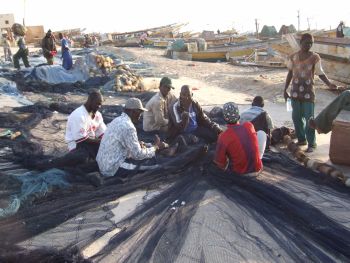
(259, 59)
(130, 39)
(335, 54)
(240, 49)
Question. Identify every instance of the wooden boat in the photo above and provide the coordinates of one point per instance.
(259, 59)
(221, 41)
(335, 54)
(130, 39)
(223, 54)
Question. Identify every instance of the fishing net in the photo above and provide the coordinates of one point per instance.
(185, 211)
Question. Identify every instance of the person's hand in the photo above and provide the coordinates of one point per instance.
(286, 95)
(158, 143)
(185, 103)
(142, 144)
(332, 86)
(185, 115)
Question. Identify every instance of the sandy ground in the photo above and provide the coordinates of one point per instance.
(213, 84)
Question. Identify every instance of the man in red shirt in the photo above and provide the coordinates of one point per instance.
(238, 146)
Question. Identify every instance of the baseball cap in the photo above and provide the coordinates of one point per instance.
(165, 81)
(134, 104)
(231, 112)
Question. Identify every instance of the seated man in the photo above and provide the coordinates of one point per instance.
(186, 117)
(323, 122)
(156, 118)
(84, 131)
(120, 142)
(238, 145)
(258, 116)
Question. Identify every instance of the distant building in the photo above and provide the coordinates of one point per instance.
(287, 29)
(6, 21)
(34, 34)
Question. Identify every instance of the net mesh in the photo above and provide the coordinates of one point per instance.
(185, 211)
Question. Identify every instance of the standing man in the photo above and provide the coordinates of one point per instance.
(303, 65)
(238, 147)
(7, 47)
(67, 62)
(340, 28)
(120, 146)
(49, 47)
(143, 37)
(156, 119)
(22, 53)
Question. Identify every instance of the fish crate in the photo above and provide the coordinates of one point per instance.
(339, 150)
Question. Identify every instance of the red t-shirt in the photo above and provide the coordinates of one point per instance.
(239, 145)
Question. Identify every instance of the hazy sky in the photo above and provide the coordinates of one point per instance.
(128, 15)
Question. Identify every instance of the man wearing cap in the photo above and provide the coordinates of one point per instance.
(238, 146)
(186, 117)
(156, 118)
(49, 47)
(120, 145)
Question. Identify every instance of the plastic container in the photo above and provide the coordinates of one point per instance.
(289, 104)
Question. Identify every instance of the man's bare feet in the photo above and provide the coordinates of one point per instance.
(171, 151)
(312, 125)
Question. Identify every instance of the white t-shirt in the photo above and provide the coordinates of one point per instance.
(80, 126)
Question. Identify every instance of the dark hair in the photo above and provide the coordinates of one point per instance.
(306, 36)
(258, 101)
(93, 93)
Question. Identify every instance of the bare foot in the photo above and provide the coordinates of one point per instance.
(171, 151)
(312, 124)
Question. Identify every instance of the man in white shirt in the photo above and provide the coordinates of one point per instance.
(85, 128)
(120, 146)
(156, 118)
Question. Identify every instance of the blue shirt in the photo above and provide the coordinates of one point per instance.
(192, 123)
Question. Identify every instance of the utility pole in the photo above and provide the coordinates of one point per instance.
(308, 23)
(24, 12)
(257, 28)
(298, 20)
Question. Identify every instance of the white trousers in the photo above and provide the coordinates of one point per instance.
(262, 137)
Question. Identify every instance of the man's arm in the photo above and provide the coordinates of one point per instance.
(288, 80)
(327, 82)
(158, 111)
(179, 117)
(136, 152)
(220, 158)
(205, 121)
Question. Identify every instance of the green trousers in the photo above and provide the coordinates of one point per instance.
(326, 117)
(21, 54)
(302, 112)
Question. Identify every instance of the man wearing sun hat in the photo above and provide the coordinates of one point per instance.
(120, 145)
(156, 118)
(238, 145)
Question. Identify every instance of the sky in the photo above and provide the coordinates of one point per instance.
(129, 15)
